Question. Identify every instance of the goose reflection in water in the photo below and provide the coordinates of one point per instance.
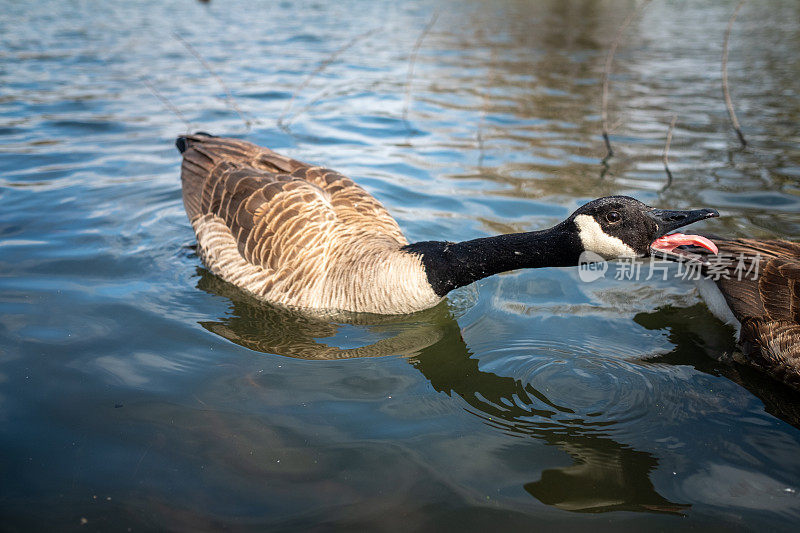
(606, 475)
(699, 342)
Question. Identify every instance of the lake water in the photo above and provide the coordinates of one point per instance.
(138, 392)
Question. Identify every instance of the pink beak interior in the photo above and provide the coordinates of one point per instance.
(667, 243)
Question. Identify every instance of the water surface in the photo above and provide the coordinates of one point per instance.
(139, 391)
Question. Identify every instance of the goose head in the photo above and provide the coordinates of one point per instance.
(620, 226)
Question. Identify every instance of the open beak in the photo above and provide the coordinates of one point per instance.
(666, 243)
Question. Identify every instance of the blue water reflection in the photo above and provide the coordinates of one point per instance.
(139, 391)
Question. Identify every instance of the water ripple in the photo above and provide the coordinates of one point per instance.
(127, 368)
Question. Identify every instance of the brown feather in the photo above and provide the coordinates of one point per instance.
(764, 295)
(296, 234)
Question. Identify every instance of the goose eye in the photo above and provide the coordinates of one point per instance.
(613, 216)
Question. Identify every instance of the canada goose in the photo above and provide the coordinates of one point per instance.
(755, 286)
(308, 237)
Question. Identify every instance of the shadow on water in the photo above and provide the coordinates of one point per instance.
(606, 475)
(700, 343)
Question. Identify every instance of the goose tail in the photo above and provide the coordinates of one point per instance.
(206, 155)
(196, 168)
(183, 142)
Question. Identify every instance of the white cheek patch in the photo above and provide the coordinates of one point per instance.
(594, 239)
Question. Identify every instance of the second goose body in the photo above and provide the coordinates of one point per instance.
(755, 286)
(306, 236)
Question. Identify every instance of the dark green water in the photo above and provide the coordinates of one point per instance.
(138, 391)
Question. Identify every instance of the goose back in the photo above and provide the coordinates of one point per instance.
(296, 234)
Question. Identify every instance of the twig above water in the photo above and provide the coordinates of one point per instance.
(412, 61)
(725, 91)
(166, 103)
(665, 156)
(606, 73)
(282, 122)
(228, 95)
(485, 107)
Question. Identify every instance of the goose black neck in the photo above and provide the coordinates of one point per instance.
(449, 265)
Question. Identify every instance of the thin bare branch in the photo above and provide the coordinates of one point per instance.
(228, 95)
(166, 103)
(412, 61)
(725, 92)
(665, 156)
(282, 122)
(485, 98)
(607, 71)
